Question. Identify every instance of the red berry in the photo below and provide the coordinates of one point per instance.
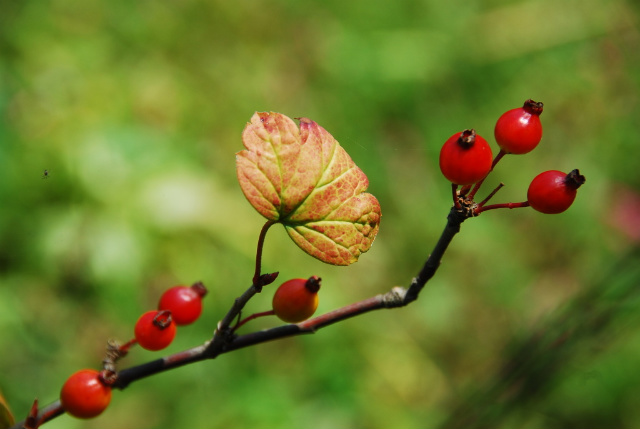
(519, 130)
(155, 330)
(84, 394)
(553, 191)
(465, 158)
(184, 302)
(297, 299)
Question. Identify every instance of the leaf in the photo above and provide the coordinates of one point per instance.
(6, 418)
(303, 178)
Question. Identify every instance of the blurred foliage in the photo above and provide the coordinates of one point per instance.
(136, 109)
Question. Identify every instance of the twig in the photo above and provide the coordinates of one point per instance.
(454, 220)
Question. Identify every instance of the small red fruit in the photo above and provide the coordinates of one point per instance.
(465, 158)
(155, 330)
(184, 303)
(297, 299)
(519, 131)
(84, 394)
(553, 191)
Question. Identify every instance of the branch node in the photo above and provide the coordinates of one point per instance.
(395, 297)
(32, 421)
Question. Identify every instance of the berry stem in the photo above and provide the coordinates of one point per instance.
(497, 159)
(464, 190)
(126, 346)
(481, 209)
(493, 165)
(454, 192)
(495, 191)
(253, 316)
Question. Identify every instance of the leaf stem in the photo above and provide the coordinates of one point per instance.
(261, 237)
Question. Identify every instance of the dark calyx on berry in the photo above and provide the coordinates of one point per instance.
(467, 138)
(574, 179)
(313, 284)
(200, 289)
(533, 107)
(163, 319)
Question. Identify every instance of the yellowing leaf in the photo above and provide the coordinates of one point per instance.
(6, 418)
(303, 178)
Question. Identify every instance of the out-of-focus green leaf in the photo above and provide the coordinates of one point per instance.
(303, 178)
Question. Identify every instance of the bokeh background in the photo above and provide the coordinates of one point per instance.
(136, 109)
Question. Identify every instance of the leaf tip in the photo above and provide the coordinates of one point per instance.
(305, 121)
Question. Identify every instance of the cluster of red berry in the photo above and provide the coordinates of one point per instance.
(466, 160)
(87, 392)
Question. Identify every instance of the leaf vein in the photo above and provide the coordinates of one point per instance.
(251, 181)
(324, 235)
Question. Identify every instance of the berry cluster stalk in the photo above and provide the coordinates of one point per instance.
(224, 339)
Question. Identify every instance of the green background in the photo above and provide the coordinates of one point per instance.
(136, 111)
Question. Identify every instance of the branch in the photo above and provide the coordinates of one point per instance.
(391, 299)
(454, 220)
(224, 339)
